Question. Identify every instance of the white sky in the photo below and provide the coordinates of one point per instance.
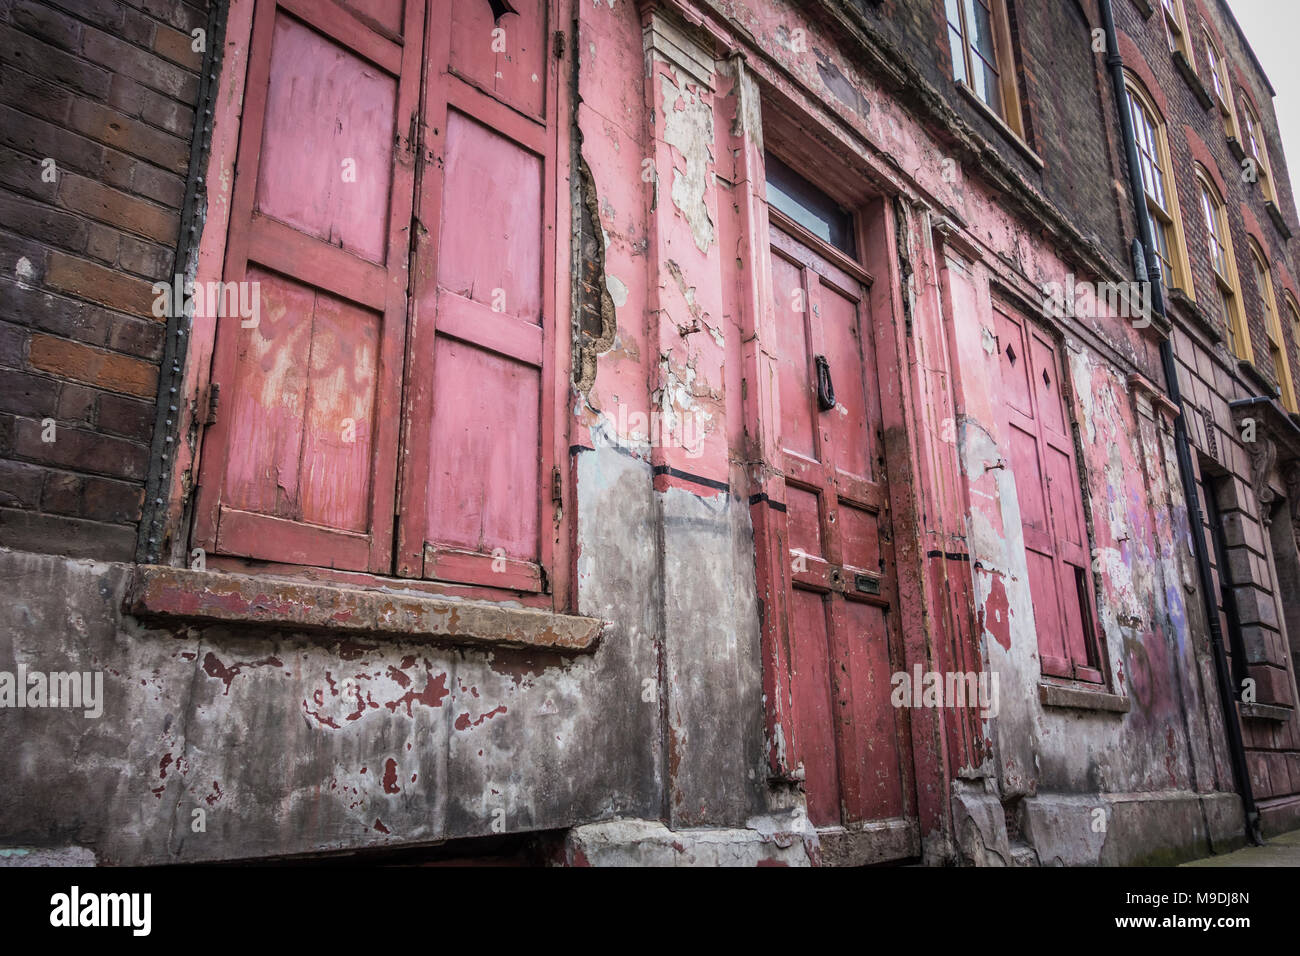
(1272, 28)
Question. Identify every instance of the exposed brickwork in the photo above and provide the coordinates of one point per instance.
(1210, 377)
(106, 90)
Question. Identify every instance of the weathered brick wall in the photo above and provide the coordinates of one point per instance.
(1064, 104)
(96, 118)
(1211, 378)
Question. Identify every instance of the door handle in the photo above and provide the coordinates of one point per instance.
(825, 387)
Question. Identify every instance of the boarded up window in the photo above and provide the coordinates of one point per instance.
(392, 410)
(1038, 445)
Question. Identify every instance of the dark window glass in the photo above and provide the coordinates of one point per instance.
(809, 206)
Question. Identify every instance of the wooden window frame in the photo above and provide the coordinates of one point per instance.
(1273, 327)
(1252, 141)
(1003, 52)
(1149, 125)
(1174, 16)
(1221, 87)
(1293, 309)
(1219, 234)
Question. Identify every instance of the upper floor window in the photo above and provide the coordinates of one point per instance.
(1158, 184)
(1222, 86)
(1273, 327)
(979, 36)
(1175, 18)
(1293, 316)
(1223, 265)
(1253, 142)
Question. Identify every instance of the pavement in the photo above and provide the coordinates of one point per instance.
(1282, 850)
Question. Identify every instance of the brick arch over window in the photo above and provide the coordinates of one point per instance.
(1137, 64)
(1212, 29)
(1241, 86)
(1256, 231)
(1201, 154)
(1288, 282)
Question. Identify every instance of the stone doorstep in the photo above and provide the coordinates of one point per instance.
(776, 839)
(179, 594)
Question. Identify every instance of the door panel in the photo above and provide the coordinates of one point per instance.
(843, 620)
(814, 708)
(298, 467)
(327, 106)
(473, 502)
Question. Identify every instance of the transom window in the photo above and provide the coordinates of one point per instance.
(979, 37)
(800, 200)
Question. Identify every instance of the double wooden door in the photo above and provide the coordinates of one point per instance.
(394, 201)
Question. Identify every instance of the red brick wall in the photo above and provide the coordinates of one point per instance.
(106, 89)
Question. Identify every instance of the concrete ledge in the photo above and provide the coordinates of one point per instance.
(181, 594)
(1158, 828)
(44, 856)
(1279, 815)
(1054, 695)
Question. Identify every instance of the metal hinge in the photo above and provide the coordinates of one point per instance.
(214, 399)
(559, 44)
(557, 486)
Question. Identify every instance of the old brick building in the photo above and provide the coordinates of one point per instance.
(682, 431)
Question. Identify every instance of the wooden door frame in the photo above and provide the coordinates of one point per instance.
(920, 742)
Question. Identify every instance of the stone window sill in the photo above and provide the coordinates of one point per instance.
(180, 594)
(1076, 698)
(1266, 712)
(1193, 81)
(1279, 220)
(1001, 124)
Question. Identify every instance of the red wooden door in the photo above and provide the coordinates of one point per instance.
(300, 466)
(476, 501)
(842, 599)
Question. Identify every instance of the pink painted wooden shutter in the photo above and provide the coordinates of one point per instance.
(300, 466)
(1039, 447)
(476, 502)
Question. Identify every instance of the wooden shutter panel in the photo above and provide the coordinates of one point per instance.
(476, 505)
(1040, 449)
(300, 466)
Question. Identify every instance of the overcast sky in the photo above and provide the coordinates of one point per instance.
(1273, 28)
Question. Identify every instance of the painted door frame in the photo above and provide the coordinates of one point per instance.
(876, 225)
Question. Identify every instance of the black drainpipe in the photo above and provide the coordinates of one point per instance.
(1227, 694)
(162, 454)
